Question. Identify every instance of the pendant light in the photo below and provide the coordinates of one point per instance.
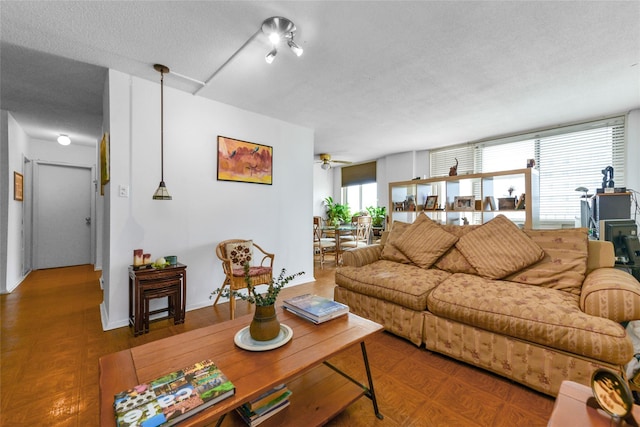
(161, 193)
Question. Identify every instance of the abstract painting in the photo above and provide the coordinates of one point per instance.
(244, 161)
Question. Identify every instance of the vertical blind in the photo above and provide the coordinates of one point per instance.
(566, 157)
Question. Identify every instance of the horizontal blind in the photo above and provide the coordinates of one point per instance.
(442, 159)
(567, 157)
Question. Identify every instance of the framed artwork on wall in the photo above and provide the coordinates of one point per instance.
(18, 186)
(105, 164)
(244, 161)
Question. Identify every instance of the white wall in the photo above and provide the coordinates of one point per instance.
(322, 188)
(632, 166)
(17, 146)
(53, 152)
(204, 211)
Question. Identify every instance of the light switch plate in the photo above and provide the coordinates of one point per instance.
(123, 190)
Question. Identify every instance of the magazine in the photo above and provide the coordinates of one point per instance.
(315, 308)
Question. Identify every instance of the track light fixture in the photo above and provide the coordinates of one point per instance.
(277, 29)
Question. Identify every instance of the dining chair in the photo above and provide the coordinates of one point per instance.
(361, 236)
(322, 245)
(234, 253)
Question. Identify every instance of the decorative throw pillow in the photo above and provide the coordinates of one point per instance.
(453, 261)
(390, 252)
(239, 253)
(499, 248)
(425, 241)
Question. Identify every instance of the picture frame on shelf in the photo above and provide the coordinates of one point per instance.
(489, 203)
(464, 203)
(521, 202)
(431, 203)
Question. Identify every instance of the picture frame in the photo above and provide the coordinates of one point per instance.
(105, 163)
(489, 203)
(243, 161)
(464, 203)
(431, 204)
(611, 394)
(18, 186)
(521, 202)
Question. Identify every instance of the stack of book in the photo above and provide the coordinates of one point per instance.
(315, 308)
(265, 406)
(173, 397)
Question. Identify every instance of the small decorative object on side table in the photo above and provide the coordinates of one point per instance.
(265, 325)
(571, 409)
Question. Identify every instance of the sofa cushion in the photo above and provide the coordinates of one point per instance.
(453, 261)
(564, 265)
(390, 251)
(425, 241)
(402, 284)
(547, 317)
(499, 248)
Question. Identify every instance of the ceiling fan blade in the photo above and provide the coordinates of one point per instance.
(341, 161)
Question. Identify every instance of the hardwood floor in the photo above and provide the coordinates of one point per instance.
(52, 338)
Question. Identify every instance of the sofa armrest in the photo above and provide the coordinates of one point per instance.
(612, 294)
(601, 254)
(358, 257)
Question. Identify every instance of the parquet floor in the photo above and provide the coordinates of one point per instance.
(52, 338)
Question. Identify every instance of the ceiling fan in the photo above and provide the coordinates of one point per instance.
(326, 161)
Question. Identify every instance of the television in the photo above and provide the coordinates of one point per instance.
(615, 231)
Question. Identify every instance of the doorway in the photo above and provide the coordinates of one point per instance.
(62, 215)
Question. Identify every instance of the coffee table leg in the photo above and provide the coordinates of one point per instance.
(369, 392)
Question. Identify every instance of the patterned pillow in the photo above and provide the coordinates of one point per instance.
(390, 252)
(453, 261)
(239, 253)
(425, 241)
(499, 248)
(564, 265)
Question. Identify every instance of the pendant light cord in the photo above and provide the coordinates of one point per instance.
(161, 126)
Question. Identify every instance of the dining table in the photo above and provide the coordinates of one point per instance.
(338, 232)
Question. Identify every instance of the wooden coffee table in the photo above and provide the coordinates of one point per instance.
(320, 391)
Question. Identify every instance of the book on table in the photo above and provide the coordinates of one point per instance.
(173, 397)
(265, 406)
(315, 308)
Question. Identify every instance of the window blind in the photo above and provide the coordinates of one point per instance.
(364, 173)
(567, 157)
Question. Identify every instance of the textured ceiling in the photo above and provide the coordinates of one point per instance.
(375, 78)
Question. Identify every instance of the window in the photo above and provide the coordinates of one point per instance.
(360, 197)
(567, 158)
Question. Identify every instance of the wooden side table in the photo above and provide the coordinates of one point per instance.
(571, 408)
(155, 279)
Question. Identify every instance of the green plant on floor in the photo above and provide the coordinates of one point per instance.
(253, 296)
(337, 213)
(378, 215)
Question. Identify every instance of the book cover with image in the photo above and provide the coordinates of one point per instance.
(315, 308)
(172, 397)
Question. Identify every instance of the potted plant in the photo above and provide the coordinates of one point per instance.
(378, 215)
(265, 325)
(336, 212)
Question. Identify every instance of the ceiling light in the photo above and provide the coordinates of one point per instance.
(295, 48)
(325, 165)
(271, 55)
(64, 140)
(278, 28)
(161, 193)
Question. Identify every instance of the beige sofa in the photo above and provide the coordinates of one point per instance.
(536, 306)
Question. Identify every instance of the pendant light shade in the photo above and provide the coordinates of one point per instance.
(161, 193)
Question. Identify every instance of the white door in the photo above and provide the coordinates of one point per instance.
(62, 216)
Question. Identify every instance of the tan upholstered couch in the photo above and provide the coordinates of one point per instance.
(536, 306)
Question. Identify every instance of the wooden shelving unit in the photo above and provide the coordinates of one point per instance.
(480, 186)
